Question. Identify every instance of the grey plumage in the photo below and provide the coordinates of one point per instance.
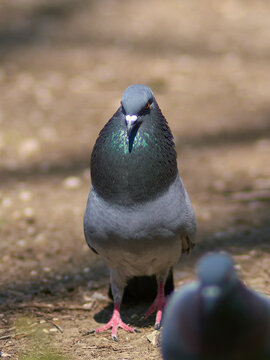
(216, 317)
(138, 217)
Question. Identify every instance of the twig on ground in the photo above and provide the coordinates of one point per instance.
(58, 327)
(4, 337)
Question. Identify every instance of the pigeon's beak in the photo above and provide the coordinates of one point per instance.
(130, 121)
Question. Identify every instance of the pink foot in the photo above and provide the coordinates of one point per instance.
(115, 322)
(158, 304)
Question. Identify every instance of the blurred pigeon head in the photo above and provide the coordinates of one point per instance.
(217, 277)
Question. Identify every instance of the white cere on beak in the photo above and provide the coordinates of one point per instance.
(131, 118)
(211, 291)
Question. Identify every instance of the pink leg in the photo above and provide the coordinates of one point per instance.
(158, 304)
(115, 322)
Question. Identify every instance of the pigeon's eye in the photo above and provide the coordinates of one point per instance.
(147, 106)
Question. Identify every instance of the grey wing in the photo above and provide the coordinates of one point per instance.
(87, 225)
(189, 224)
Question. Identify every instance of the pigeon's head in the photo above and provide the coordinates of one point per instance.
(137, 101)
(217, 276)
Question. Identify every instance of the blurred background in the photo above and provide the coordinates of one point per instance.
(64, 65)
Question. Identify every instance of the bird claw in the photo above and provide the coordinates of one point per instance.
(115, 322)
(158, 304)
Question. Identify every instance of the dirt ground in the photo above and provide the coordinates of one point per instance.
(63, 67)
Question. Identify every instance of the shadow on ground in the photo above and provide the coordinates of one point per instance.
(71, 283)
(76, 162)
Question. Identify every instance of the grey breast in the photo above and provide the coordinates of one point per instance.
(135, 227)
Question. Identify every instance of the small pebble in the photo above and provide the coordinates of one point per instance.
(29, 213)
(25, 195)
(3, 354)
(99, 296)
(88, 305)
(6, 202)
(21, 242)
(153, 337)
(29, 148)
(53, 330)
(87, 297)
(72, 182)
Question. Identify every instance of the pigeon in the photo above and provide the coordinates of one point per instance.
(138, 216)
(216, 317)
